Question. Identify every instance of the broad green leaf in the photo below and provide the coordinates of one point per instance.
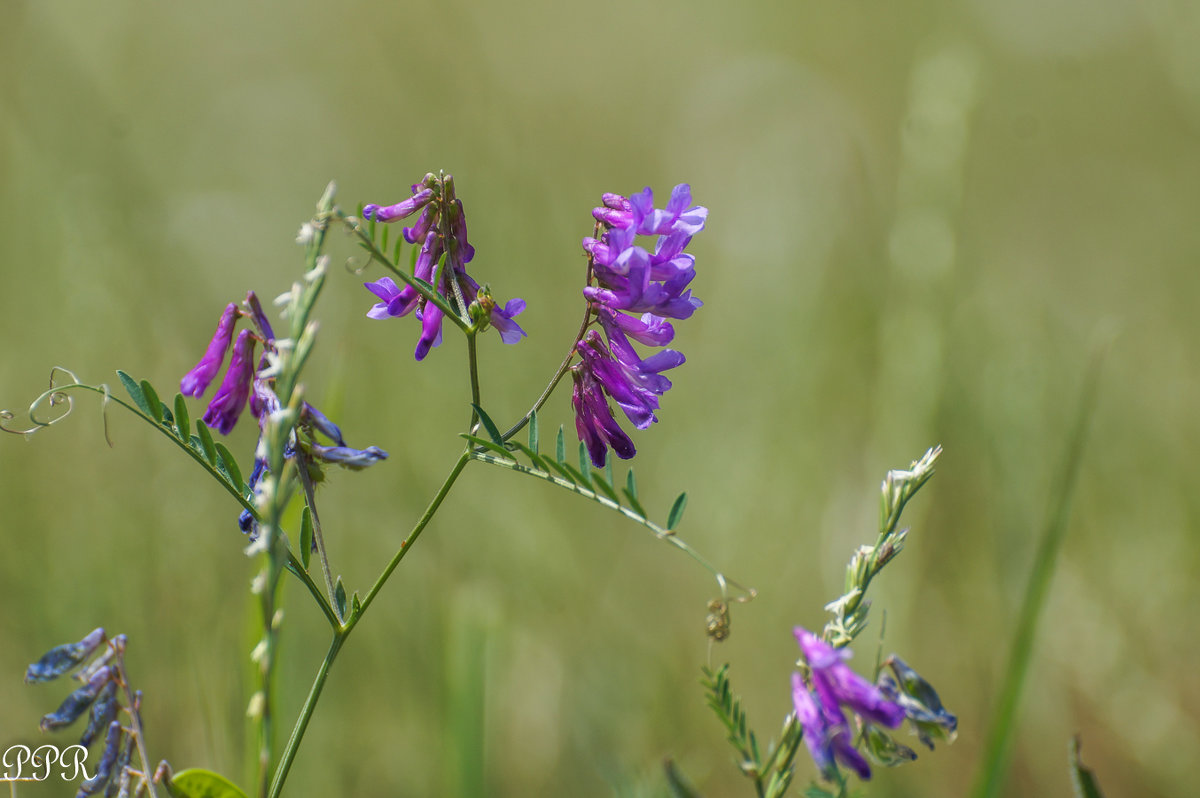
(560, 447)
(585, 465)
(676, 514)
(183, 424)
(135, 392)
(231, 466)
(206, 442)
(152, 400)
(533, 432)
(306, 536)
(200, 783)
(489, 425)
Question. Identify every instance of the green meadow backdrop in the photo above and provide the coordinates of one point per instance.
(924, 218)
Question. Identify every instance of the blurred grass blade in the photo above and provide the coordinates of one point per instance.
(677, 783)
(1082, 778)
(989, 781)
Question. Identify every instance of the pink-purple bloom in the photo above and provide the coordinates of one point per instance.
(196, 381)
(633, 279)
(834, 687)
(440, 230)
(229, 401)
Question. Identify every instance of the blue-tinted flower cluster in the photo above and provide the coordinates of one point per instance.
(98, 698)
(633, 279)
(441, 229)
(247, 384)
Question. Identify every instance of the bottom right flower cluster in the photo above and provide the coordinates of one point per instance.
(829, 687)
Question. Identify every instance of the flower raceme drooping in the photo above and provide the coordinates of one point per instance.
(633, 279)
(819, 705)
(440, 230)
(249, 384)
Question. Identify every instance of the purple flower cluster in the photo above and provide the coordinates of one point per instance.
(441, 229)
(632, 279)
(819, 706)
(245, 384)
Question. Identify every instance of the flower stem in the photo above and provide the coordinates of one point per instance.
(310, 703)
(562, 369)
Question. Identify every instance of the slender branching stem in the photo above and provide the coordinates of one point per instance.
(310, 498)
(306, 711)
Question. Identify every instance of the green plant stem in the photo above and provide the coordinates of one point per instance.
(474, 369)
(306, 711)
(1000, 735)
(566, 363)
(342, 632)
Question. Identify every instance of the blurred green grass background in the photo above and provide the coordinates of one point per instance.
(922, 216)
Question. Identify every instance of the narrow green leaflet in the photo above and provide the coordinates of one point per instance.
(155, 404)
(585, 465)
(339, 598)
(560, 447)
(135, 392)
(306, 536)
(533, 432)
(231, 467)
(676, 514)
(200, 783)
(489, 425)
(605, 485)
(206, 442)
(183, 424)
(1082, 779)
(485, 443)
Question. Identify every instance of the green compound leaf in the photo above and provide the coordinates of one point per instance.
(135, 392)
(231, 467)
(306, 536)
(676, 514)
(183, 424)
(489, 425)
(207, 446)
(200, 783)
(155, 404)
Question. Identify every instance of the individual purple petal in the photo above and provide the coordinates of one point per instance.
(259, 317)
(322, 424)
(826, 733)
(502, 320)
(60, 659)
(424, 224)
(431, 330)
(349, 457)
(594, 422)
(196, 381)
(400, 210)
(230, 399)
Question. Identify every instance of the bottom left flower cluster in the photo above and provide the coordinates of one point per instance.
(98, 662)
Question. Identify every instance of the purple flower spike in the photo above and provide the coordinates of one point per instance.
(196, 381)
(400, 210)
(440, 229)
(230, 399)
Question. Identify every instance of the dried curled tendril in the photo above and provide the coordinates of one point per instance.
(55, 397)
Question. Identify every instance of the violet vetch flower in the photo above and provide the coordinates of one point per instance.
(820, 710)
(594, 421)
(196, 381)
(348, 457)
(826, 732)
(440, 230)
(633, 279)
(230, 399)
